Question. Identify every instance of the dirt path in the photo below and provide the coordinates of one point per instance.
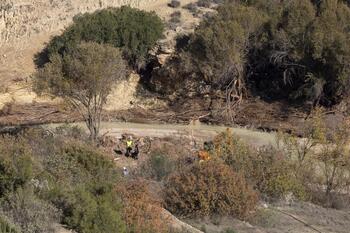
(199, 132)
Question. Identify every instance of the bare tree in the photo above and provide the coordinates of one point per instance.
(84, 77)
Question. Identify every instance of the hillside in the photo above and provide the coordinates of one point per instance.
(26, 25)
(174, 116)
(25, 28)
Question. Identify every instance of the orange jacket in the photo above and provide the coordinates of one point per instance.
(203, 155)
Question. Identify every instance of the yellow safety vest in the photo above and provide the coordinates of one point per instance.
(129, 143)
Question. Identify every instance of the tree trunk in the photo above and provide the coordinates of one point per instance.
(93, 124)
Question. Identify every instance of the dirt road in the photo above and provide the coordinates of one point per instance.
(199, 132)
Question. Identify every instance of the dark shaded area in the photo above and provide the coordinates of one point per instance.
(13, 130)
(297, 52)
(41, 58)
(181, 42)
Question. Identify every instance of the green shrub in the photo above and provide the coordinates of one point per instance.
(87, 213)
(174, 3)
(86, 197)
(271, 171)
(192, 7)
(216, 50)
(68, 131)
(69, 182)
(207, 189)
(204, 3)
(30, 214)
(175, 20)
(85, 165)
(88, 158)
(293, 50)
(158, 166)
(236, 153)
(274, 175)
(304, 53)
(133, 30)
(16, 165)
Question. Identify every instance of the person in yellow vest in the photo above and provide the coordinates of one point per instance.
(129, 146)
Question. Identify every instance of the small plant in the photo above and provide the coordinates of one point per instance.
(174, 4)
(90, 212)
(231, 149)
(273, 175)
(204, 3)
(158, 166)
(175, 20)
(192, 7)
(323, 149)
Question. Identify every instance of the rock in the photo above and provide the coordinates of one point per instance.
(179, 29)
(166, 49)
(191, 94)
(162, 58)
(204, 89)
(172, 97)
(61, 229)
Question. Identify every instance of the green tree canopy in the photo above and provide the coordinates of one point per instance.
(216, 51)
(84, 77)
(306, 54)
(132, 30)
(294, 50)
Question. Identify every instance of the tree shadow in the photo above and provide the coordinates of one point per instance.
(41, 58)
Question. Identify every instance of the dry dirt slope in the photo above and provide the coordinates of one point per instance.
(26, 25)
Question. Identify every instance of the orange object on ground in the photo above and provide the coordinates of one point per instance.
(203, 155)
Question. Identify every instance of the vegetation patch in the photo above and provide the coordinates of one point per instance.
(209, 188)
(134, 31)
(296, 51)
(84, 77)
(271, 172)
